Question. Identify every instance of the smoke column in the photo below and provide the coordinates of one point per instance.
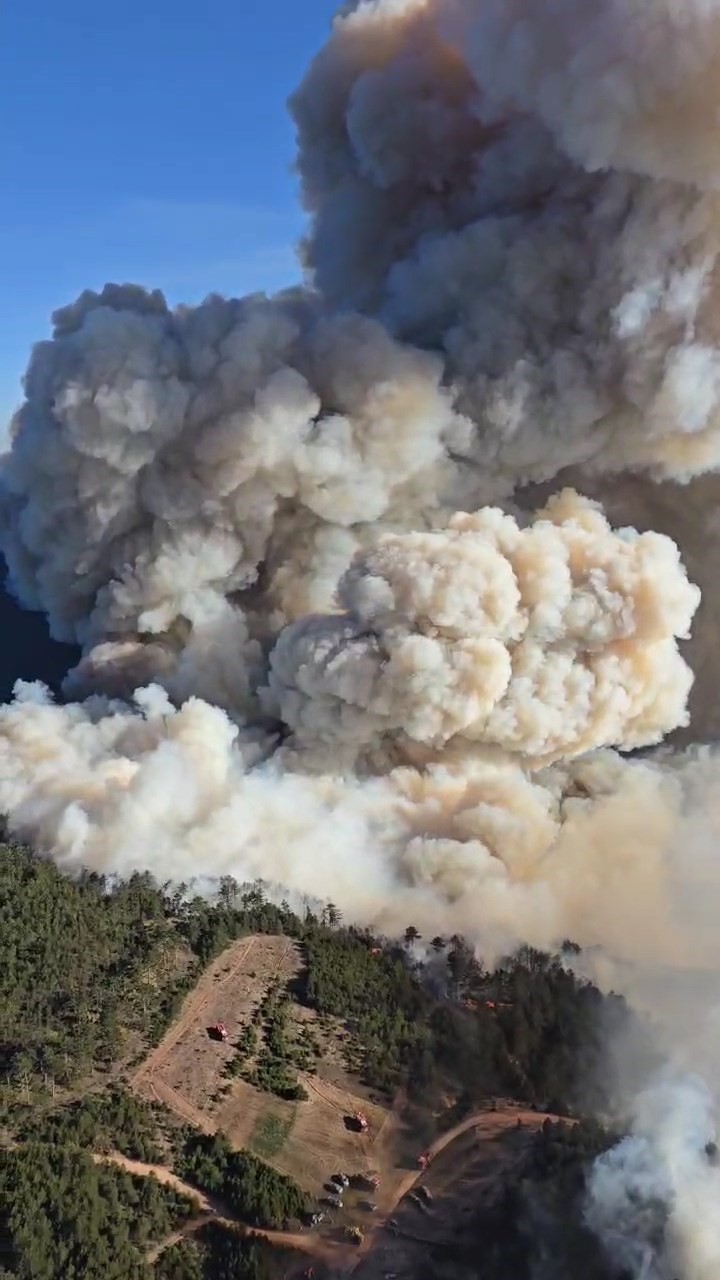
(655, 1198)
(291, 537)
(325, 638)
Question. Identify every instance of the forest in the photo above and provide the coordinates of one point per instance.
(110, 1119)
(251, 1189)
(65, 1217)
(96, 970)
(214, 1254)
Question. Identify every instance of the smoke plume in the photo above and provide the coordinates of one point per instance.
(324, 639)
(655, 1198)
(282, 529)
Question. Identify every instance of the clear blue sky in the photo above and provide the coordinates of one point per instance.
(145, 141)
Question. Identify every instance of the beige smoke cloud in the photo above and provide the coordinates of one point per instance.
(543, 642)
(292, 526)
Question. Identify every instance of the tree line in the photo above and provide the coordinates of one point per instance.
(64, 1217)
(250, 1188)
(92, 974)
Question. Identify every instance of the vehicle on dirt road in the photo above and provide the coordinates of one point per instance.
(357, 1121)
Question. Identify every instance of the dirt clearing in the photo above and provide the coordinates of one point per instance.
(309, 1140)
(312, 1139)
(188, 1061)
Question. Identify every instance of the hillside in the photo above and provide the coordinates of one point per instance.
(108, 1002)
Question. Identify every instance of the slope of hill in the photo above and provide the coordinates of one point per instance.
(108, 1000)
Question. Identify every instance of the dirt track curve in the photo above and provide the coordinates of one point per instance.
(213, 1210)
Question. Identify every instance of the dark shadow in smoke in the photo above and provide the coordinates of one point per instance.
(26, 650)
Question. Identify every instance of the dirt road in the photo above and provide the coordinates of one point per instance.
(188, 1229)
(163, 1092)
(492, 1124)
(213, 1210)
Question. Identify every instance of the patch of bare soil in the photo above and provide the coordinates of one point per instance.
(320, 1142)
(433, 1206)
(186, 1073)
(188, 1061)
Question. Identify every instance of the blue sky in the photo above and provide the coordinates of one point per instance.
(145, 141)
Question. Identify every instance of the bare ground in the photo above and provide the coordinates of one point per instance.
(187, 1060)
(318, 1143)
(465, 1162)
(185, 1072)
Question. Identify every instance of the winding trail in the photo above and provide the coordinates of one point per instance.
(211, 1209)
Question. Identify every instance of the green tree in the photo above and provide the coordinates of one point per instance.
(332, 915)
(255, 1192)
(67, 1218)
(228, 891)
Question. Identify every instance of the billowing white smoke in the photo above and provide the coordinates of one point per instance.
(249, 505)
(655, 1198)
(503, 182)
(321, 642)
(415, 783)
(543, 642)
